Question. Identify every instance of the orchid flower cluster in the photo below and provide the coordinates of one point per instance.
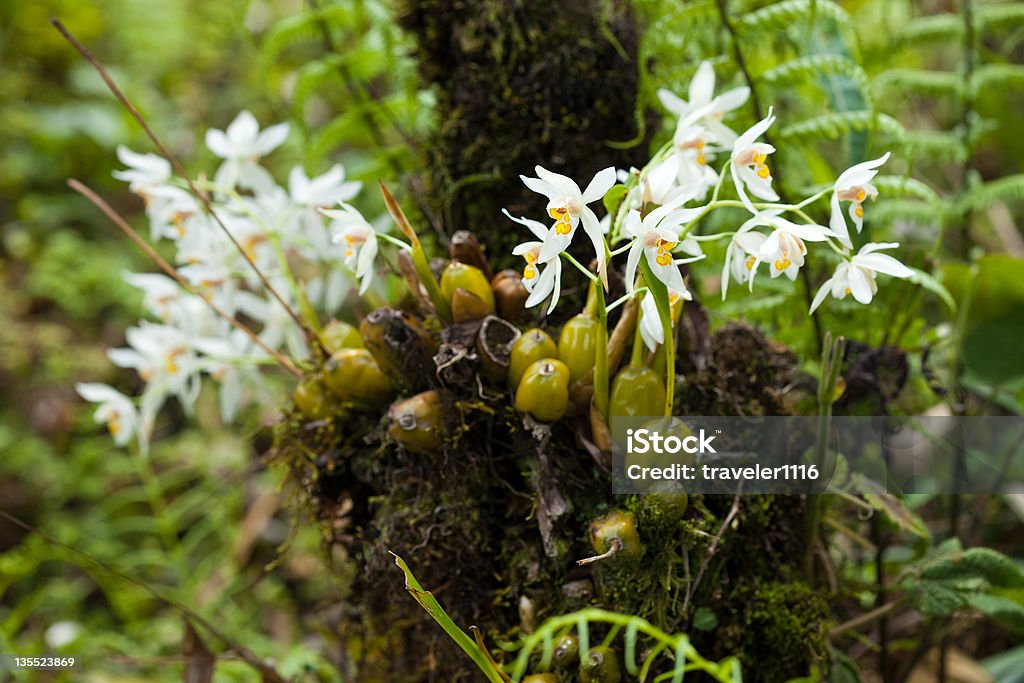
(279, 230)
(658, 218)
(242, 241)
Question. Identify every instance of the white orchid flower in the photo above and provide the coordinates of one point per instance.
(854, 185)
(651, 330)
(749, 170)
(278, 328)
(655, 237)
(857, 276)
(784, 249)
(695, 154)
(164, 359)
(741, 260)
(702, 94)
(539, 283)
(145, 172)
(660, 183)
(323, 190)
(116, 410)
(307, 196)
(360, 240)
(241, 145)
(567, 204)
(160, 293)
(227, 359)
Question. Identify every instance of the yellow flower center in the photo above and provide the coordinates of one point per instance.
(783, 263)
(114, 424)
(664, 259)
(762, 170)
(858, 209)
(563, 219)
(750, 262)
(530, 271)
(558, 212)
(171, 360)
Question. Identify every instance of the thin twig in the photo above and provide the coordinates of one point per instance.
(863, 620)
(166, 153)
(692, 590)
(172, 272)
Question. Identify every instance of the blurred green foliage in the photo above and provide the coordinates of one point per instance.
(200, 522)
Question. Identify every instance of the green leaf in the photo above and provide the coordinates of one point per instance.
(933, 83)
(993, 327)
(781, 16)
(427, 601)
(811, 67)
(903, 186)
(933, 28)
(837, 125)
(1006, 667)
(704, 619)
(1003, 610)
(934, 145)
(1006, 15)
(1003, 76)
(934, 286)
(938, 599)
(613, 198)
(985, 564)
(996, 568)
(984, 195)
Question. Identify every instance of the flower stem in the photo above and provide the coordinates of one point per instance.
(601, 397)
(636, 358)
(661, 298)
(579, 266)
(394, 240)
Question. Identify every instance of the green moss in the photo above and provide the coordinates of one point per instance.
(784, 631)
(518, 84)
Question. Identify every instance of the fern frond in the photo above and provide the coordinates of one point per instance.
(930, 213)
(1006, 15)
(635, 631)
(833, 126)
(311, 77)
(920, 81)
(938, 146)
(782, 15)
(997, 75)
(678, 24)
(1008, 189)
(932, 29)
(900, 186)
(302, 27)
(808, 67)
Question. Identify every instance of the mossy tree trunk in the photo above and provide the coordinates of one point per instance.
(520, 83)
(495, 521)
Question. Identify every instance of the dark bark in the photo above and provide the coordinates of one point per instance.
(520, 83)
